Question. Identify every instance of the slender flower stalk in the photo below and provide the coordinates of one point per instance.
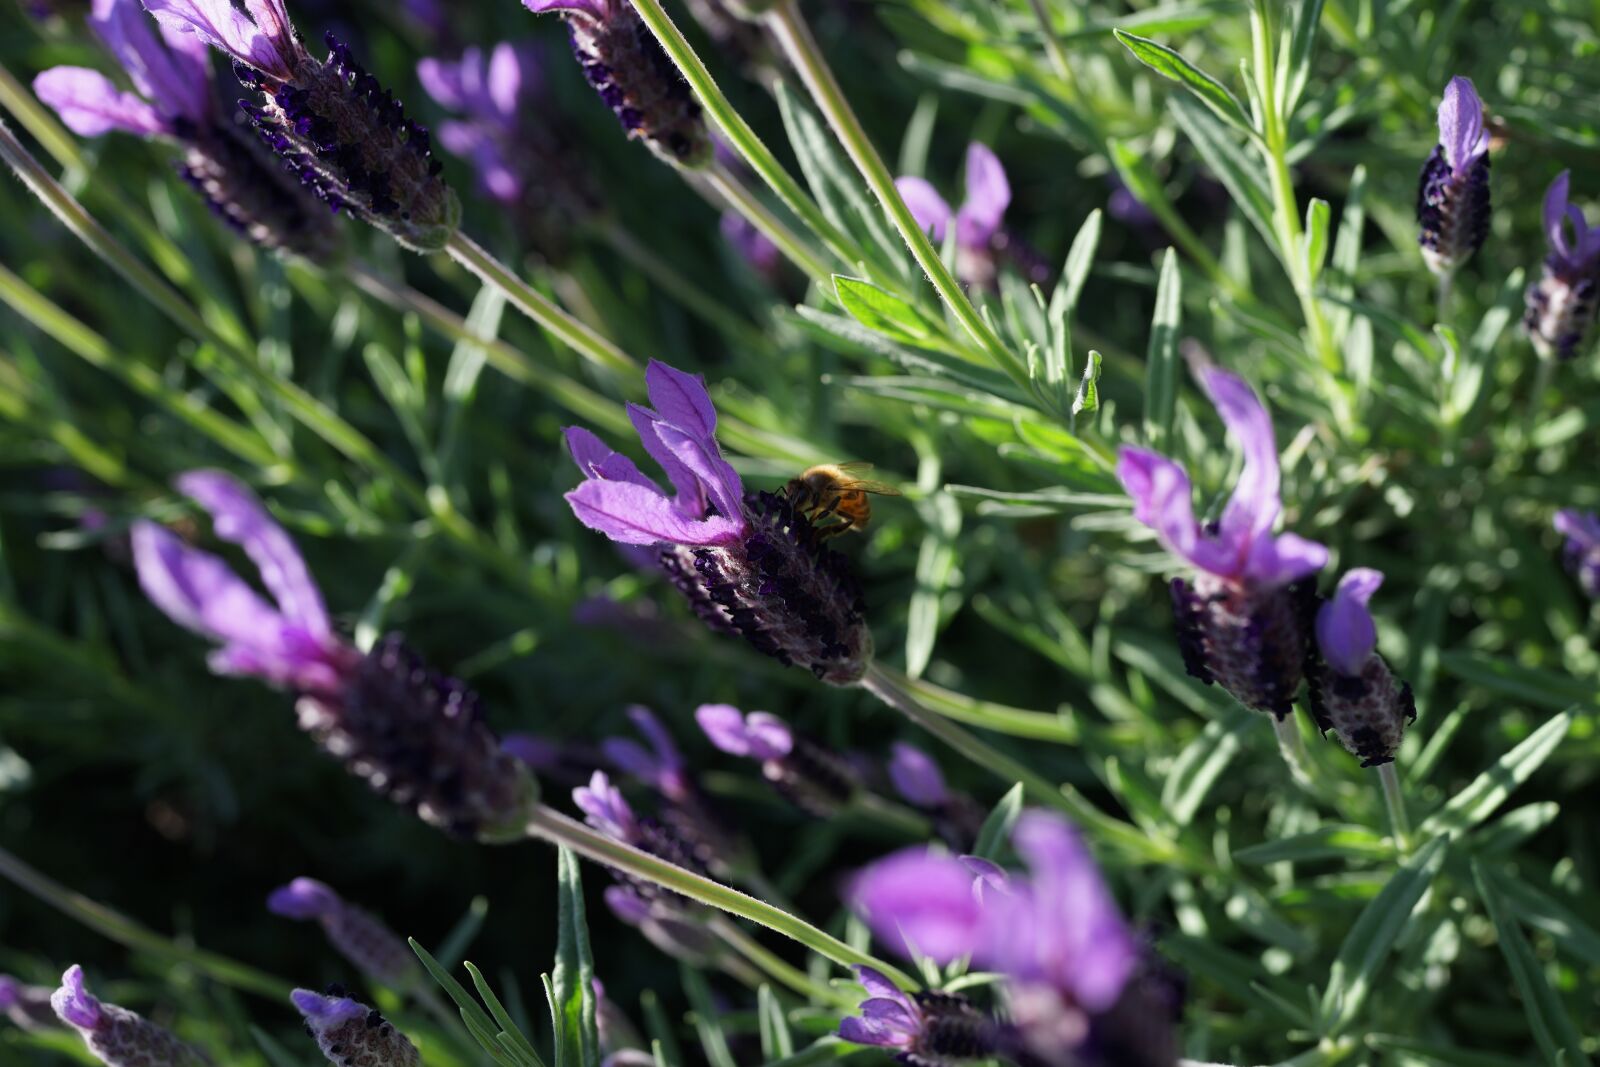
(116, 1036)
(1453, 191)
(27, 1006)
(358, 935)
(1561, 305)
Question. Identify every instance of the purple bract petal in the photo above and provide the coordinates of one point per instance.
(1255, 505)
(769, 737)
(599, 9)
(701, 457)
(596, 459)
(1345, 631)
(172, 80)
(1163, 500)
(921, 898)
(91, 105)
(323, 1012)
(691, 493)
(1461, 129)
(303, 898)
(988, 195)
(916, 776)
(640, 515)
(222, 26)
(1582, 527)
(926, 205)
(681, 399)
(605, 809)
(73, 1003)
(724, 726)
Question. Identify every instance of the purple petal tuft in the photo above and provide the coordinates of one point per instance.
(1345, 631)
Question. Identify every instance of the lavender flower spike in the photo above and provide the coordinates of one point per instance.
(116, 1036)
(627, 67)
(1453, 193)
(809, 775)
(1242, 617)
(27, 1006)
(175, 103)
(749, 564)
(350, 1033)
(359, 936)
(958, 820)
(982, 242)
(1582, 550)
(413, 734)
(1561, 305)
(332, 124)
(926, 1029)
(1352, 690)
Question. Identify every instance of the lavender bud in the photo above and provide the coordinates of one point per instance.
(1250, 641)
(1561, 305)
(350, 1034)
(1453, 193)
(1353, 693)
(633, 75)
(115, 1036)
(27, 1006)
(419, 738)
(808, 775)
(1581, 553)
(359, 936)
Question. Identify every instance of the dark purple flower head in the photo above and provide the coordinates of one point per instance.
(415, 735)
(750, 565)
(916, 776)
(27, 1006)
(1561, 305)
(1582, 550)
(241, 181)
(633, 75)
(348, 1032)
(330, 121)
(359, 936)
(1241, 619)
(115, 1036)
(1353, 692)
(925, 1029)
(1453, 194)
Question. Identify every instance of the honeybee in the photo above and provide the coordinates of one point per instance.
(835, 491)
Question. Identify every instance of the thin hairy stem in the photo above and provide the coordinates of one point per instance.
(775, 966)
(1293, 748)
(1394, 799)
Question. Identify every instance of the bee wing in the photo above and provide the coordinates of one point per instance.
(863, 485)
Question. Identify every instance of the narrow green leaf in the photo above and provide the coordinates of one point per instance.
(1161, 366)
(1350, 843)
(1553, 1029)
(465, 931)
(1445, 1055)
(663, 1042)
(707, 1021)
(1302, 44)
(1170, 64)
(776, 1040)
(1315, 237)
(997, 827)
(1528, 684)
(1202, 762)
(1490, 789)
(1246, 182)
(1540, 910)
(1368, 945)
(572, 981)
(477, 1021)
(511, 1036)
(879, 310)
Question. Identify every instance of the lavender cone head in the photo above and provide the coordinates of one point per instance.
(350, 1034)
(809, 775)
(626, 65)
(925, 1029)
(359, 936)
(1453, 192)
(917, 777)
(1561, 305)
(1243, 618)
(174, 101)
(1353, 692)
(115, 1036)
(330, 121)
(1581, 553)
(749, 565)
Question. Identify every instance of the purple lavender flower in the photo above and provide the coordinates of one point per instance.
(957, 818)
(982, 242)
(1582, 550)
(627, 67)
(1453, 193)
(524, 155)
(413, 734)
(175, 103)
(1353, 693)
(348, 1032)
(116, 1036)
(27, 1006)
(1561, 305)
(753, 246)
(335, 127)
(358, 935)
(926, 1029)
(661, 765)
(807, 774)
(1070, 961)
(750, 565)
(1242, 617)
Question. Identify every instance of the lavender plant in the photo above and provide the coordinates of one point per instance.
(1009, 801)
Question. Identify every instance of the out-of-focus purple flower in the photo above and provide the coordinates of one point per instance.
(1561, 305)
(349, 1032)
(1582, 549)
(750, 565)
(661, 765)
(358, 935)
(27, 1006)
(415, 735)
(982, 242)
(1453, 193)
(924, 1028)
(174, 102)
(605, 809)
(330, 121)
(809, 775)
(116, 1036)
(753, 246)
(916, 776)
(1128, 209)
(620, 1042)
(1242, 618)
(625, 64)
(429, 14)
(1353, 692)
(1055, 934)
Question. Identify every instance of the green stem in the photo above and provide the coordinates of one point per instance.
(1016, 722)
(1395, 801)
(739, 133)
(544, 312)
(552, 826)
(798, 252)
(124, 931)
(891, 816)
(775, 966)
(1293, 748)
(1063, 798)
(1541, 385)
(1052, 43)
(794, 37)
